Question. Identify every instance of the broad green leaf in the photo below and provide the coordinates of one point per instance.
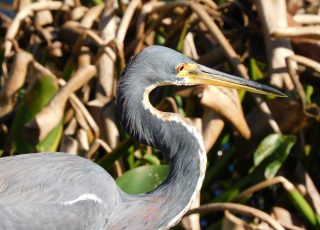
(266, 148)
(272, 169)
(34, 100)
(143, 179)
(275, 149)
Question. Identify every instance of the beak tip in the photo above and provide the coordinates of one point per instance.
(278, 93)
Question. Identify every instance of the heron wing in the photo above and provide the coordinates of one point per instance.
(38, 216)
(54, 180)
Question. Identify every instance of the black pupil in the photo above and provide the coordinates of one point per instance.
(181, 67)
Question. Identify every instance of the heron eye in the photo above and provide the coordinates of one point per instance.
(180, 67)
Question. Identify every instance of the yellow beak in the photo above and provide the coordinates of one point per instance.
(196, 74)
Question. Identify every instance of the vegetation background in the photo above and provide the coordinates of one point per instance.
(60, 61)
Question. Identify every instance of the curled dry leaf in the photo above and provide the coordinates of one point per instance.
(288, 114)
(14, 82)
(226, 103)
(212, 126)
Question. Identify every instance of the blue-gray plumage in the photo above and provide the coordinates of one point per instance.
(60, 191)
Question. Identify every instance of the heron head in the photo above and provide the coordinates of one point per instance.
(169, 67)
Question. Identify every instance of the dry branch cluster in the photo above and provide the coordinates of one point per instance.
(61, 60)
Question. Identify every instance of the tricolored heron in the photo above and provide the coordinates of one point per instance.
(61, 191)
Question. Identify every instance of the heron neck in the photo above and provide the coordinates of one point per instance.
(182, 145)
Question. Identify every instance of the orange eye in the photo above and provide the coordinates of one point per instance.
(180, 67)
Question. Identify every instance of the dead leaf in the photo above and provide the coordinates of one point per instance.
(226, 103)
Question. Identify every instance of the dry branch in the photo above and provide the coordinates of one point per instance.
(14, 82)
(291, 32)
(265, 184)
(277, 50)
(239, 208)
(27, 11)
(307, 18)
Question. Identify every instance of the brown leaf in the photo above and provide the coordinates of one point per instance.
(288, 114)
(211, 128)
(226, 103)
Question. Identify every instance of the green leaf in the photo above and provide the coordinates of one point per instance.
(309, 93)
(183, 35)
(304, 208)
(32, 103)
(51, 142)
(160, 39)
(151, 159)
(275, 149)
(143, 179)
(254, 70)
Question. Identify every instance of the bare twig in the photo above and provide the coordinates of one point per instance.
(277, 50)
(307, 18)
(14, 82)
(265, 184)
(94, 147)
(306, 61)
(290, 32)
(239, 208)
(27, 11)
(91, 15)
(126, 19)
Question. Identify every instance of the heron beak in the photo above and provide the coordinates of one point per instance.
(198, 74)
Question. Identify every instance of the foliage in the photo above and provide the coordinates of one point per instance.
(262, 151)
